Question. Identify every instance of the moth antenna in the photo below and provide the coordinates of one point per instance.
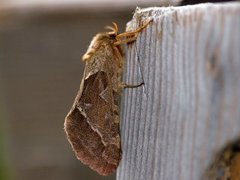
(114, 29)
(110, 28)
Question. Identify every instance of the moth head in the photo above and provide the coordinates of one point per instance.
(100, 38)
(113, 29)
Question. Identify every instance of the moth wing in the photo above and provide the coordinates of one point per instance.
(92, 125)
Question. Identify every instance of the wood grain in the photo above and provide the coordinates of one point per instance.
(189, 107)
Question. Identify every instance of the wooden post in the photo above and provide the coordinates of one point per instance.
(189, 106)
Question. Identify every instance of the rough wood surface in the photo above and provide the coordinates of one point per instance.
(189, 107)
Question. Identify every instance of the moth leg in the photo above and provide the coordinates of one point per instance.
(118, 52)
(130, 36)
(128, 40)
(133, 33)
(125, 85)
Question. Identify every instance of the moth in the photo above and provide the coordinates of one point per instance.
(92, 125)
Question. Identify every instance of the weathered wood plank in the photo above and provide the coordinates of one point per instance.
(189, 107)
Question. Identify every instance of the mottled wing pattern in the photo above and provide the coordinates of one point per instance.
(92, 125)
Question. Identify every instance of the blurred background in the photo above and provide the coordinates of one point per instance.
(41, 44)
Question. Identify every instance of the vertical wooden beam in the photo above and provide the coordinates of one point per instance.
(189, 106)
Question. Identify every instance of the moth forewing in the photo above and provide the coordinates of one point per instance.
(92, 125)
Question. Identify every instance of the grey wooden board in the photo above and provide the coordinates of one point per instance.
(189, 107)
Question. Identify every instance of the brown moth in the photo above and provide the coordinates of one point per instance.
(92, 125)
